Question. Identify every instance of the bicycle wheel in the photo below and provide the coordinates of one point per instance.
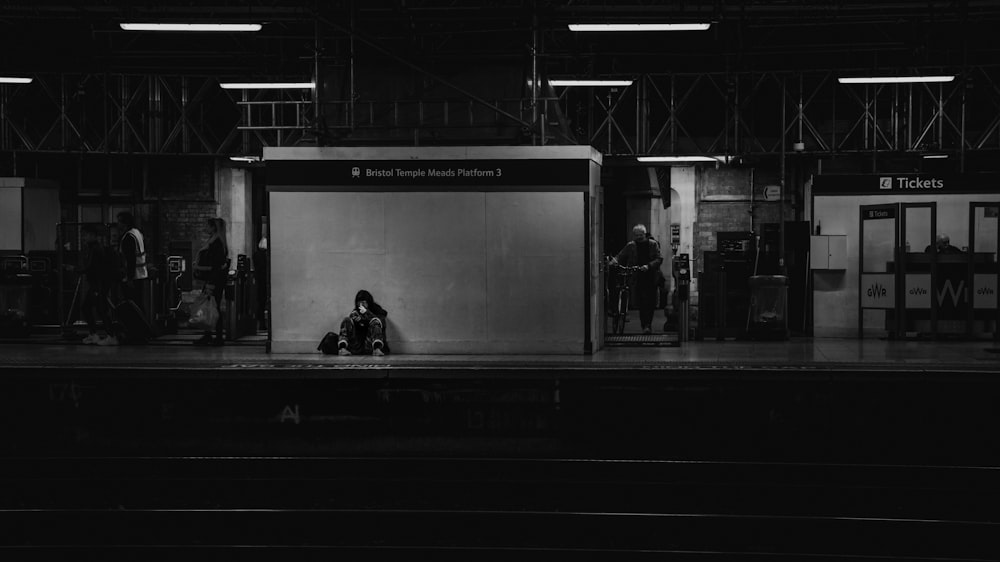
(623, 303)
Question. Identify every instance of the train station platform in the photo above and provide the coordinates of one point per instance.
(809, 400)
(796, 358)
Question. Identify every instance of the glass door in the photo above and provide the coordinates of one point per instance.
(984, 239)
(918, 227)
(877, 287)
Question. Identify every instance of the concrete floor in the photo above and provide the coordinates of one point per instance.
(797, 353)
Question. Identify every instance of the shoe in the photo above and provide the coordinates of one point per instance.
(203, 340)
(110, 340)
(647, 330)
(91, 339)
(343, 351)
(377, 352)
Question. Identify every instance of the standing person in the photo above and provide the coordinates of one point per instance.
(643, 251)
(133, 250)
(99, 272)
(211, 267)
(363, 331)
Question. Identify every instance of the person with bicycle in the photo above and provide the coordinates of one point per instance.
(643, 252)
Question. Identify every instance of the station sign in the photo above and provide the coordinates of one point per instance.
(878, 290)
(905, 184)
(429, 173)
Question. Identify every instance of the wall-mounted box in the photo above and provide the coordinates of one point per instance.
(828, 251)
(29, 213)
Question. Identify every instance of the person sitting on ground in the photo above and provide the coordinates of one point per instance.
(363, 331)
(943, 246)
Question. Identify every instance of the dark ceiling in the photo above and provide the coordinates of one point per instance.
(765, 35)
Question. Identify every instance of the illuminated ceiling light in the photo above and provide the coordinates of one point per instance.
(249, 159)
(590, 82)
(14, 80)
(639, 26)
(218, 27)
(266, 85)
(935, 156)
(684, 159)
(895, 79)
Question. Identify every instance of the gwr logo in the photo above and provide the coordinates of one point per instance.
(950, 289)
(876, 291)
(986, 291)
(918, 291)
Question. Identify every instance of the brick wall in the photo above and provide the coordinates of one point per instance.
(723, 204)
(184, 220)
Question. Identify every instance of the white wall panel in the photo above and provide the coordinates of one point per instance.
(458, 272)
(536, 274)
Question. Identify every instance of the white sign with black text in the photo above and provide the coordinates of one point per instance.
(984, 291)
(878, 290)
(918, 291)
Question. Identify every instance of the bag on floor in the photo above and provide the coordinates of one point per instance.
(204, 313)
(329, 344)
(130, 322)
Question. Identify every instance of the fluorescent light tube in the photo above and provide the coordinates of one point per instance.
(245, 158)
(895, 79)
(590, 82)
(639, 26)
(266, 85)
(190, 26)
(14, 80)
(683, 159)
(935, 156)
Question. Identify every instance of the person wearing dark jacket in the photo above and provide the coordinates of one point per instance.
(943, 246)
(99, 273)
(643, 251)
(211, 266)
(363, 331)
(133, 250)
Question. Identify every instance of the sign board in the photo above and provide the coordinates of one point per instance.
(906, 184)
(918, 291)
(984, 291)
(772, 192)
(878, 290)
(880, 213)
(574, 175)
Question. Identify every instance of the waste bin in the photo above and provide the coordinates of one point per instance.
(768, 305)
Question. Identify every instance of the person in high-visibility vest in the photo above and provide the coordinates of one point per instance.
(132, 247)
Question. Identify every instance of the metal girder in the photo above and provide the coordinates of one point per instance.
(694, 113)
(741, 113)
(117, 114)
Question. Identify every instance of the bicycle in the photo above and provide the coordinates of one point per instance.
(618, 309)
